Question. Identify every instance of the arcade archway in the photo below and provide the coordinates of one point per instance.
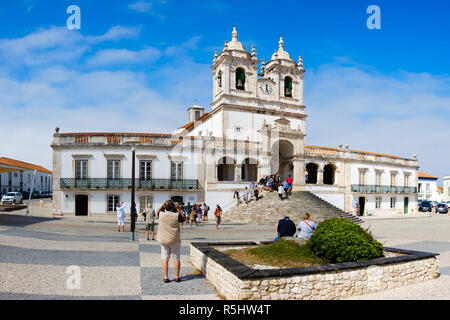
(282, 158)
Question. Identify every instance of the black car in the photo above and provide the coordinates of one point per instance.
(25, 195)
(425, 206)
(35, 195)
(441, 208)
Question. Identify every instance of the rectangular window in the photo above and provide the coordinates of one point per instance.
(113, 169)
(176, 170)
(378, 178)
(197, 115)
(145, 170)
(362, 177)
(145, 201)
(393, 179)
(113, 201)
(406, 182)
(378, 202)
(428, 187)
(81, 169)
(393, 202)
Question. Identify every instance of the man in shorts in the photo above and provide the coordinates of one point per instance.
(150, 219)
(218, 214)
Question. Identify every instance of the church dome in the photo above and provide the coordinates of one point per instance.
(280, 53)
(234, 44)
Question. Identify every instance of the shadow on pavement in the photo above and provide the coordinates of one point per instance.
(21, 220)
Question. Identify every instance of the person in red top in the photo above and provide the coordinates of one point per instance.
(289, 180)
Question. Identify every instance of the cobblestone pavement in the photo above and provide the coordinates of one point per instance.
(36, 254)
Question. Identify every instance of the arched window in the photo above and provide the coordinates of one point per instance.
(288, 87)
(249, 170)
(311, 169)
(219, 79)
(329, 172)
(240, 79)
(225, 169)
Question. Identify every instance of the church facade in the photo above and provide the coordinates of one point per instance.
(256, 127)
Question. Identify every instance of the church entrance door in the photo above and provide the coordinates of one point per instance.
(282, 159)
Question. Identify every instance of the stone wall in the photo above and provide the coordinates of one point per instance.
(236, 281)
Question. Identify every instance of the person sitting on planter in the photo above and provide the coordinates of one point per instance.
(285, 228)
(306, 227)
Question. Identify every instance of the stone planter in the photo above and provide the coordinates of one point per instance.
(236, 281)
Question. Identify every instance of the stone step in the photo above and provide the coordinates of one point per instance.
(269, 209)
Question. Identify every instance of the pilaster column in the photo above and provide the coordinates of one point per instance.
(337, 178)
(299, 172)
(320, 176)
(237, 172)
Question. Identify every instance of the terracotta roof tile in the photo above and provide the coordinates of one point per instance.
(21, 164)
(426, 175)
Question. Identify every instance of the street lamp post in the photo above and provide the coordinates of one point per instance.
(133, 187)
(133, 202)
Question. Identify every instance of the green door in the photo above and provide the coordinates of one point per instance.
(405, 205)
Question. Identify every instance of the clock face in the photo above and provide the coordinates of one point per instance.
(266, 88)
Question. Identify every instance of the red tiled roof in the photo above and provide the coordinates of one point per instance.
(357, 151)
(190, 125)
(426, 175)
(21, 164)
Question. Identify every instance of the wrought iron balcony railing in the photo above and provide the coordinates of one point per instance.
(382, 189)
(104, 184)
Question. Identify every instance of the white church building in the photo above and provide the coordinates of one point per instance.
(256, 126)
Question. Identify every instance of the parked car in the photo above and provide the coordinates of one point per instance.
(25, 195)
(35, 195)
(442, 208)
(434, 204)
(12, 197)
(425, 206)
(44, 194)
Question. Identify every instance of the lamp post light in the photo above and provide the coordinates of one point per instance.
(133, 187)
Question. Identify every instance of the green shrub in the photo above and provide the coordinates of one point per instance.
(340, 240)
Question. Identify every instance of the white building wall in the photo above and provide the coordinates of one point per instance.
(429, 190)
(43, 181)
(446, 189)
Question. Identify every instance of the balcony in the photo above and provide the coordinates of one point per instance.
(382, 189)
(121, 184)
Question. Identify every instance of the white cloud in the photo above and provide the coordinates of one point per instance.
(147, 7)
(141, 6)
(57, 45)
(109, 57)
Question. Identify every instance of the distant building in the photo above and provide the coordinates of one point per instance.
(19, 176)
(446, 189)
(427, 187)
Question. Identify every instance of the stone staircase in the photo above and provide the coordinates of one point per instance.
(269, 209)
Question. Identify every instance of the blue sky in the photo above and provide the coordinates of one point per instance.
(139, 64)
